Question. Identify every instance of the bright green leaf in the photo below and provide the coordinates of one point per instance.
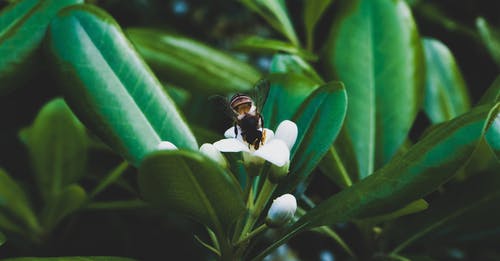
(57, 143)
(319, 120)
(407, 177)
(313, 10)
(375, 50)
(271, 46)
(445, 91)
(110, 88)
(63, 204)
(191, 64)
(276, 14)
(16, 214)
(22, 28)
(188, 183)
(490, 38)
(289, 63)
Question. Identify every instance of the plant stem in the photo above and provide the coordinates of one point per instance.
(109, 179)
(252, 234)
(340, 167)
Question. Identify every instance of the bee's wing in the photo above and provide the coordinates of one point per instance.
(260, 92)
(224, 102)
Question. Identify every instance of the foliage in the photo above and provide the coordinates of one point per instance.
(370, 123)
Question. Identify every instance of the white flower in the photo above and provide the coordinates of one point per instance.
(276, 148)
(166, 145)
(210, 151)
(282, 210)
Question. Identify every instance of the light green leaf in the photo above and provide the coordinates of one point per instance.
(110, 88)
(191, 64)
(276, 14)
(319, 120)
(63, 204)
(289, 63)
(490, 38)
(16, 214)
(57, 144)
(190, 184)
(445, 91)
(286, 94)
(22, 28)
(407, 177)
(313, 10)
(71, 258)
(263, 45)
(375, 50)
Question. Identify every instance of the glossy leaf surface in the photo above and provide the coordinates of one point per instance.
(188, 183)
(192, 64)
(22, 27)
(110, 88)
(445, 91)
(289, 63)
(375, 50)
(407, 177)
(319, 120)
(271, 46)
(57, 143)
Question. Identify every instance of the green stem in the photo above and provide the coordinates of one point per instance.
(251, 235)
(116, 205)
(340, 167)
(109, 179)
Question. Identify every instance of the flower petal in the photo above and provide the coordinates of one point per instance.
(275, 151)
(213, 153)
(287, 131)
(166, 145)
(230, 145)
(229, 133)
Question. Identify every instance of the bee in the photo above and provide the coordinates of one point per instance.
(247, 117)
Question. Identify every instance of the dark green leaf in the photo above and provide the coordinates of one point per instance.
(110, 88)
(313, 10)
(288, 63)
(492, 94)
(73, 258)
(263, 45)
(407, 177)
(16, 214)
(319, 120)
(286, 94)
(445, 91)
(3, 238)
(22, 28)
(188, 183)
(275, 13)
(413, 207)
(63, 204)
(375, 50)
(57, 143)
(191, 64)
(465, 211)
(490, 38)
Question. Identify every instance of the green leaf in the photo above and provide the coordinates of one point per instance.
(413, 207)
(445, 91)
(275, 13)
(110, 88)
(3, 238)
(188, 183)
(319, 120)
(22, 28)
(492, 94)
(287, 92)
(262, 45)
(16, 214)
(490, 38)
(65, 203)
(465, 211)
(375, 50)
(57, 144)
(72, 258)
(289, 63)
(407, 177)
(313, 10)
(191, 64)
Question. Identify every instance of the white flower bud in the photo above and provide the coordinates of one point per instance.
(213, 153)
(166, 145)
(282, 211)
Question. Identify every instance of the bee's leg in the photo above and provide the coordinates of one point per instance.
(261, 121)
(235, 129)
(256, 143)
(263, 139)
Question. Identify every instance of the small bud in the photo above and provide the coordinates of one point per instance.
(213, 153)
(166, 145)
(282, 211)
(252, 163)
(277, 174)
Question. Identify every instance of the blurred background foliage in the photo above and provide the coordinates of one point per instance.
(119, 224)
